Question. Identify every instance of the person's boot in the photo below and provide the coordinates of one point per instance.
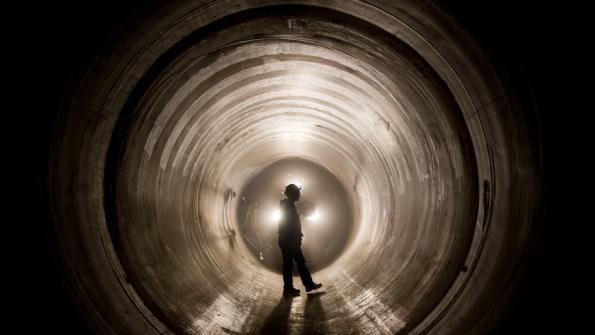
(313, 286)
(291, 292)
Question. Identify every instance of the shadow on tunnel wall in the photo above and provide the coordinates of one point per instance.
(68, 36)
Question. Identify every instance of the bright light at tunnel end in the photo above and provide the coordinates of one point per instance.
(314, 217)
(276, 216)
(299, 184)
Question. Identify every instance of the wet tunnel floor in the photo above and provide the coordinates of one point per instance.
(350, 309)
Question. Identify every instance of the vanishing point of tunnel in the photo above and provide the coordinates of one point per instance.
(419, 174)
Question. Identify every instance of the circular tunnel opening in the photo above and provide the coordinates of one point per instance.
(324, 208)
(204, 122)
(267, 85)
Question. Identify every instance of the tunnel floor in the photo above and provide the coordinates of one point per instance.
(332, 309)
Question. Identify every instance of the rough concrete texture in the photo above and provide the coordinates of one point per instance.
(193, 98)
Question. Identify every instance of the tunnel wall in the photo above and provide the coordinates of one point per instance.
(502, 155)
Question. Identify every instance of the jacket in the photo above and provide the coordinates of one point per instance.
(290, 228)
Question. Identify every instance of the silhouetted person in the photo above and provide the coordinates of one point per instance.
(290, 241)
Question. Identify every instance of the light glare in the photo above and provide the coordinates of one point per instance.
(314, 217)
(298, 184)
(276, 216)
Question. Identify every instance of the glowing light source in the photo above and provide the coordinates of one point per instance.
(314, 216)
(276, 216)
(299, 184)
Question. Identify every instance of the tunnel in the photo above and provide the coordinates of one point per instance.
(416, 153)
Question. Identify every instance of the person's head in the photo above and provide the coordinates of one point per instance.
(292, 191)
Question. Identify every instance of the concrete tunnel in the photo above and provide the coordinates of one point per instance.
(413, 145)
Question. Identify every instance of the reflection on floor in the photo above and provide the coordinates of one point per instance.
(343, 308)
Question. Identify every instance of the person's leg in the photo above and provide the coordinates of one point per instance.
(287, 268)
(302, 268)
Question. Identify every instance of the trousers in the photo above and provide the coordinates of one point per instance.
(292, 251)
